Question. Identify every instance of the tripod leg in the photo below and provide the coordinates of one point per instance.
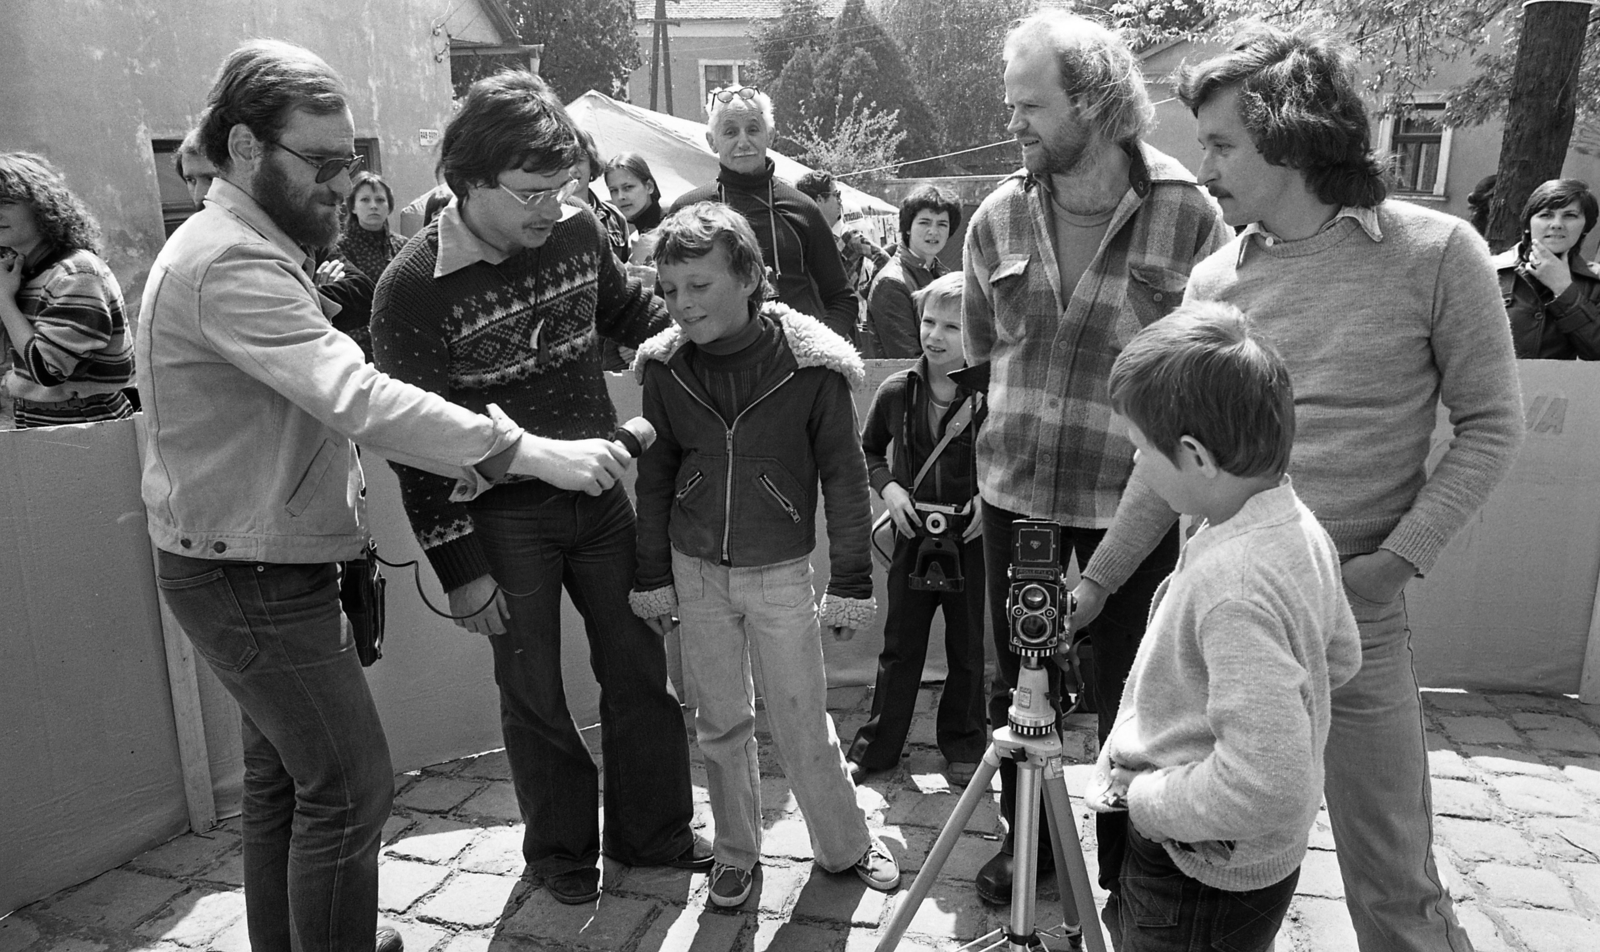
(1059, 807)
(975, 792)
(1025, 851)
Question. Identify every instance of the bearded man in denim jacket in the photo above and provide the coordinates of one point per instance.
(253, 490)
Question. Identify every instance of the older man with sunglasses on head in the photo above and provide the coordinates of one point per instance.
(503, 300)
(796, 241)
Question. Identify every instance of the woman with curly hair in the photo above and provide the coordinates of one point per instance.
(1551, 293)
(60, 305)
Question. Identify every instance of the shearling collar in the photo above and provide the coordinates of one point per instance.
(812, 344)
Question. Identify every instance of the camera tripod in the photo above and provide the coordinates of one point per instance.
(1031, 737)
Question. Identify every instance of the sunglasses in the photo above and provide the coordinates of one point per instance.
(541, 196)
(328, 168)
(730, 93)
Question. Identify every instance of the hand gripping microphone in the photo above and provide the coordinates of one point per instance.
(636, 435)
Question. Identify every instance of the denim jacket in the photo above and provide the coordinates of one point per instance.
(251, 400)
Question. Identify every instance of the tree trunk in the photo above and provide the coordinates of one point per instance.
(1539, 111)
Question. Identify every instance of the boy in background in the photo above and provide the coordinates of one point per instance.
(918, 410)
(1216, 752)
(752, 406)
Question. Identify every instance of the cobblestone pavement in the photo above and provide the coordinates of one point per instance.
(1516, 787)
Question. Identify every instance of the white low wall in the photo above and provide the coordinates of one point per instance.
(91, 772)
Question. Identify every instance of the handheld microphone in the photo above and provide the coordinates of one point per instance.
(636, 435)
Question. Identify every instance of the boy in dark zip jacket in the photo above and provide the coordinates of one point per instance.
(752, 408)
(915, 410)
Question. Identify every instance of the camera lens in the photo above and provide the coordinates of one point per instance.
(1034, 598)
(1033, 627)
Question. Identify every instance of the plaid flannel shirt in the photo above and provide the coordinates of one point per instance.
(1048, 449)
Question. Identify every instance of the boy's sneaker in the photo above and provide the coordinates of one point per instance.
(877, 868)
(730, 885)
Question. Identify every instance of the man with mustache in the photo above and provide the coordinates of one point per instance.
(1092, 240)
(1382, 310)
(254, 493)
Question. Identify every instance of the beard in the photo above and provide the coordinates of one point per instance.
(297, 212)
(1064, 153)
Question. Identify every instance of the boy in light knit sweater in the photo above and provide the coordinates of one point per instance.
(1216, 752)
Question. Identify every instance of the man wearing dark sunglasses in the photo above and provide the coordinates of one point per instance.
(253, 489)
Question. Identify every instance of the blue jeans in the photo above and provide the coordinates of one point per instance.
(1163, 910)
(959, 728)
(764, 616)
(584, 544)
(318, 783)
(1380, 801)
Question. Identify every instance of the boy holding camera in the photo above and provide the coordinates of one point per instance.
(752, 408)
(930, 491)
(1216, 751)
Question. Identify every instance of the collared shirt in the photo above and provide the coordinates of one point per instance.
(1367, 218)
(1048, 449)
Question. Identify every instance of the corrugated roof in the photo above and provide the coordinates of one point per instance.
(724, 9)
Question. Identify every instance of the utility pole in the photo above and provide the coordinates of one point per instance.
(1540, 110)
(661, 56)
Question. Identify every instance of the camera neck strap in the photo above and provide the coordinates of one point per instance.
(952, 429)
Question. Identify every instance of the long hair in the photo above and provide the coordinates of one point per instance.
(1096, 68)
(63, 221)
(634, 164)
(1300, 100)
(259, 85)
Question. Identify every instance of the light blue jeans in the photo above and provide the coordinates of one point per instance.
(1380, 800)
(765, 617)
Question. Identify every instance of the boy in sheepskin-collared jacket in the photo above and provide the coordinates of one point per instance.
(752, 407)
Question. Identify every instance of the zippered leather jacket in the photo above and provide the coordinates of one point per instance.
(746, 495)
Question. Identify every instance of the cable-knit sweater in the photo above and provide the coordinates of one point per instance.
(523, 334)
(1225, 712)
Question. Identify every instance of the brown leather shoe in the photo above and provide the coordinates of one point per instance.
(574, 887)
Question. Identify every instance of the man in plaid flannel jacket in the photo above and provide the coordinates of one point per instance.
(1065, 261)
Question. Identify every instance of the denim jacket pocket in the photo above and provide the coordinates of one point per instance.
(306, 489)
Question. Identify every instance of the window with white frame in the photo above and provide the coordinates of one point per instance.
(1419, 142)
(716, 74)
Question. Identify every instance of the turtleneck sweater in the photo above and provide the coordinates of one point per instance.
(796, 244)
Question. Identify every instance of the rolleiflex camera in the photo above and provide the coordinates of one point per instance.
(1038, 604)
(937, 567)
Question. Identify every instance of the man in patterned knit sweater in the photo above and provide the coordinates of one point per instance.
(501, 301)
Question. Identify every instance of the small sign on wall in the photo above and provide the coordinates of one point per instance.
(428, 137)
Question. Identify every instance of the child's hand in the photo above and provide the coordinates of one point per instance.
(901, 509)
(842, 633)
(975, 525)
(662, 624)
(1108, 787)
(10, 273)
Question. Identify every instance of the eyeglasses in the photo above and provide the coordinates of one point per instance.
(328, 168)
(730, 93)
(539, 197)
